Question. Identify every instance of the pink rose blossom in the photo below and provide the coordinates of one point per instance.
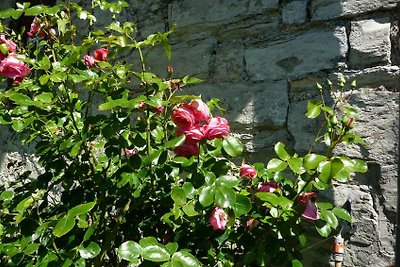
(159, 110)
(183, 117)
(11, 46)
(37, 28)
(216, 128)
(268, 187)
(89, 60)
(248, 171)
(130, 151)
(201, 111)
(193, 134)
(311, 211)
(218, 219)
(188, 149)
(14, 69)
(101, 54)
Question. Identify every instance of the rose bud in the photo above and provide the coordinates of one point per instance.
(218, 219)
(101, 54)
(268, 187)
(216, 128)
(14, 69)
(248, 171)
(89, 60)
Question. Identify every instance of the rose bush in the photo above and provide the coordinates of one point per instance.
(147, 176)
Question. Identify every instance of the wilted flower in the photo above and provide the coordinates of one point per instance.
(37, 28)
(248, 171)
(218, 219)
(89, 60)
(311, 210)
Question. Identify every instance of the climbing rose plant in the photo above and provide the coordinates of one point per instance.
(136, 174)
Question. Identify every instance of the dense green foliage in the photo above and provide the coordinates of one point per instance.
(119, 186)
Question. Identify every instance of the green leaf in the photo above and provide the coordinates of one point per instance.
(296, 263)
(206, 196)
(313, 109)
(129, 251)
(148, 240)
(172, 247)
(7, 13)
(63, 226)
(91, 251)
(155, 253)
(311, 161)
(281, 151)
(184, 259)
(189, 209)
(31, 248)
(324, 230)
(324, 168)
(276, 165)
(359, 166)
(296, 164)
(242, 205)
(7, 195)
(35, 10)
(21, 99)
(225, 197)
(81, 209)
(329, 217)
(175, 142)
(227, 180)
(178, 195)
(342, 213)
(190, 191)
(75, 149)
(342, 176)
(336, 167)
(46, 97)
(232, 146)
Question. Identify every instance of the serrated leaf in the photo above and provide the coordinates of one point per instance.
(63, 226)
(129, 251)
(232, 146)
(91, 251)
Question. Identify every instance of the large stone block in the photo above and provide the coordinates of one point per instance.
(294, 12)
(188, 12)
(309, 52)
(254, 105)
(327, 9)
(229, 62)
(370, 42)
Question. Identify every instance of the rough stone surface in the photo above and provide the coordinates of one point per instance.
(297, 56)
(328, 9)
(370, 42)
(294, 12)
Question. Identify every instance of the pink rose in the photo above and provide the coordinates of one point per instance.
(188, 149)
(101, 54)
(88, 60)
(37, 28)
(193, 134)
(247, 171)
(268, 187)
(311, 211)
(218, 219)
(14, 69)
(201, 111)
(11, 46)
(216, 128)
(183, 117)
(130, 152)
(159, 110)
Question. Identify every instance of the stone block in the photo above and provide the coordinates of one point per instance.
(188, 12)
(328, 9)
(253, 105)
(229, 63)
(370, 42)
(294, 12)
(309, 52)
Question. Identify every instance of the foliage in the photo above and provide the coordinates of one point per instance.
(137, 174)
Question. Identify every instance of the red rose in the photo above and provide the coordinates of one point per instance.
(201, 111)
(188, 149)
(11, 46)
(305, 197)
(37, 28)
(268, 187)
(218, 219)
(216, 128)
(101, 54)
(183, 117)
(14, 69)
(88, 60)
(247, 171)
(193, 134)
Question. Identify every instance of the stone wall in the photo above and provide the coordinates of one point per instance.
(262, 59)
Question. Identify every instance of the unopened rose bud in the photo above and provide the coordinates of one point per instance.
(350, 122)
(170, 69)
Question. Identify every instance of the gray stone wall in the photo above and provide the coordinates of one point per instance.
(262, 59)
